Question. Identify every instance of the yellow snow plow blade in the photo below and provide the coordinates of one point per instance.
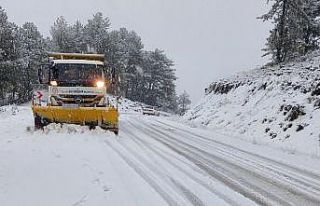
(105, 117)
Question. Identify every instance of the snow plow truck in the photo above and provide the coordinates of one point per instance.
(73, 90)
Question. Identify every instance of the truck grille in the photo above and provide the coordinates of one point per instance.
(83, 100)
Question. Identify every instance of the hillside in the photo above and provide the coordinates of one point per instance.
(273, 104)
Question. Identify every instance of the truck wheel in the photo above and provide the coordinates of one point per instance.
(92, 127)
(38, 122)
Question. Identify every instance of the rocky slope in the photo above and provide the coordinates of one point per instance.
(270, 104)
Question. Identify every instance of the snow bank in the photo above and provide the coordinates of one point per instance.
(274, 104)
(128, 106)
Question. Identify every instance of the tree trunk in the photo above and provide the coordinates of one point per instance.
(307, 40)
(281, 32)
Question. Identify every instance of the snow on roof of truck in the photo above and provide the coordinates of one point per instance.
(76, 61)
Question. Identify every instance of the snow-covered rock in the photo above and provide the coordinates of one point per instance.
(270, 104)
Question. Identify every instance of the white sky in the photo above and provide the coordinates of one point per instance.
(207, 39)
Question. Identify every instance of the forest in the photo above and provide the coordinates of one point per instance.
(143, 76)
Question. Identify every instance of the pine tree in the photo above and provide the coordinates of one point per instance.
(5, 48)
(311, 25)
(32, 55)
(9, 43)
(61, 36)
(183, 103)
(6, 37)
(159, 80)
(14, 65)
(124, 53)
(279, 41)
(295, 30)
(96, 32)
(79, 45)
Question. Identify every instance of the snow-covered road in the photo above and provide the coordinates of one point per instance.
(154, 161)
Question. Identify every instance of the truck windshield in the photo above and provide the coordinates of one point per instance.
(77, 72)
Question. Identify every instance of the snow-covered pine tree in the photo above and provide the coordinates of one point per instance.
(61, 36)
(132, 49)
(96, 32)
(183, 103)
(14, 66)
(124, 53)
(311, 25)
(159, 80)
(295, 28)
(9, 44)
(115, 55)
(78, 38)
(5, 47)
(31, 56)
(7, 33)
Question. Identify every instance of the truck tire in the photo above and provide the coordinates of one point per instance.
(38, 122)
(92, 127)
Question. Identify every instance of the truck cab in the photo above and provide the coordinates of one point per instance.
(76, 92)
(78, 82)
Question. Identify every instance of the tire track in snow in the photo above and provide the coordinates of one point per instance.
(190, 175)
(310, 174)
(296, 179)
(162, 173)
(309, 184)
(296, 191)
(196, 201)
(263, 196)
(220, 173)
(80, 202)
(149, 180)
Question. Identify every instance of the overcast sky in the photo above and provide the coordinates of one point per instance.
(207, 39)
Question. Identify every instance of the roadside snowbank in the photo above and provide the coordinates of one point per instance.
(277, 105)
(125, 105)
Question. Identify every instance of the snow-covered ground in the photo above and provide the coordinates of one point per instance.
(274, 105)
(153, 161)
(125, 105)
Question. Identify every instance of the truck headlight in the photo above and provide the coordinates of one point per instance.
(100, 84)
